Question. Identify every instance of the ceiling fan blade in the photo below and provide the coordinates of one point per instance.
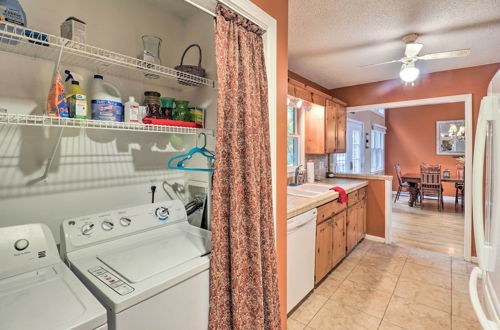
(450, 54)
(412, 49)
(376, 64)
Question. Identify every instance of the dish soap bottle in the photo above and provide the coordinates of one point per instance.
(106, 102)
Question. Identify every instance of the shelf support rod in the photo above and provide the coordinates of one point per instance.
(50, 160)
(52, 154)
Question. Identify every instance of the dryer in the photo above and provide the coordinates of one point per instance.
(37, 290)
(146, 264)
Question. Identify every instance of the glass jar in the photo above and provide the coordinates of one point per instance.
(181, 111)
(152, 102)
(167, 107)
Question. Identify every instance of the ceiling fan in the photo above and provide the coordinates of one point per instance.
(409, 72)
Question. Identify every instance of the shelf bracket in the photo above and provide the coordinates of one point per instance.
(50, 160)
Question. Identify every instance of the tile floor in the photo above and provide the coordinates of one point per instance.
(382, 286)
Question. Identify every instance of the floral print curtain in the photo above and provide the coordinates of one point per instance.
(243, 274)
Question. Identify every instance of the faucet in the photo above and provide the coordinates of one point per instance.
(299, 174)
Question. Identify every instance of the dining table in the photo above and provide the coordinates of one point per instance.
(413, 179)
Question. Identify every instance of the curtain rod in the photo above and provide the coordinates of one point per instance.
(211, 13)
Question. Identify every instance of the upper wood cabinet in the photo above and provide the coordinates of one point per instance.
(325, 129)
(341, 127)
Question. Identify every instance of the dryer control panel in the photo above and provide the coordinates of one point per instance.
(95, 228)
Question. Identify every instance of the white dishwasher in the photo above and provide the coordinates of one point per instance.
(301, 245)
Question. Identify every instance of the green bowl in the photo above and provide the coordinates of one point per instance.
(181, 104)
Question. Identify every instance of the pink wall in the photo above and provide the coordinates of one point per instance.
(411, 138)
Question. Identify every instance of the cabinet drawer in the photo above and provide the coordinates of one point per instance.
(325, 212)
(338, 206)
(352, 198)
(362, 193)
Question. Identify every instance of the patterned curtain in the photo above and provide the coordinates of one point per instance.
(243, 275)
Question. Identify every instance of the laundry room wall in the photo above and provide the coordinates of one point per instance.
(97, 170)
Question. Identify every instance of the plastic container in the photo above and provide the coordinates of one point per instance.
(11, 12)
(131, 110)
(77, 102)
(57, 105)
(181, 111)
(106, 101)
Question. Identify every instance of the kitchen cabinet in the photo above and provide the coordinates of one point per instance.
(341, 128)
(351, 227)
(339, 227)
(324, 238)
(356, 218)
(339, 241)
(325, 129)
(361, 224)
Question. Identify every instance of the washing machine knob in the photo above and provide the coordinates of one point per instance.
(125, 222)
(21, 244)
(107, 225)
(88, 229)
(162, 213)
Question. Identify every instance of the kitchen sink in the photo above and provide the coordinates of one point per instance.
(309, 190)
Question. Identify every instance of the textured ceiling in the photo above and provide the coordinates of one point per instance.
(330, 39)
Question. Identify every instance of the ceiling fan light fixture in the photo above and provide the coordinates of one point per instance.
(409, 73)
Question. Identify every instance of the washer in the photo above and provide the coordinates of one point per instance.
(37, 290)
(146, 264)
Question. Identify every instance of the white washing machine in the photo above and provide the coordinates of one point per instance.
(37, 290)
(146, 264)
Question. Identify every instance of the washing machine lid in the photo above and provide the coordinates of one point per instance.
(142, 260)
(44, 299)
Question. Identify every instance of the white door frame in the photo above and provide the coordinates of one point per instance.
(362, 124)
(467, 99)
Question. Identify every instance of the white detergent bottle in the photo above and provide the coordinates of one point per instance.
(132, 110)
(106, 102)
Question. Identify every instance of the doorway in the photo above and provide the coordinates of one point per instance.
(467, 101)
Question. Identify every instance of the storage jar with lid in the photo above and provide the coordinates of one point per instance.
(152, 102)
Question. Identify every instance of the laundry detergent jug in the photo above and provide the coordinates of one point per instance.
(106, 102)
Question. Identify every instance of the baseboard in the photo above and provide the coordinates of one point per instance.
(375, 238)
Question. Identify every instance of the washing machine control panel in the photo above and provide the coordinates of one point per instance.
(111, 280)
(100, 227)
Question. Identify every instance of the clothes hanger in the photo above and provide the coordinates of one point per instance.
(184, 157)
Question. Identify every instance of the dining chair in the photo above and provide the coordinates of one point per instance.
(460, 187)
(401, 184)
(430, 184)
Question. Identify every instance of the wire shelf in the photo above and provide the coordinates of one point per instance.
(25, 41)
(45, 121)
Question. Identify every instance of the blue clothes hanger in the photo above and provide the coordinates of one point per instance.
(184, 157)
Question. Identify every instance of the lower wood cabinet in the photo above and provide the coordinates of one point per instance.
(339, 242)
(356, 223)
(338, 230)
(324, 248)
(351, 227)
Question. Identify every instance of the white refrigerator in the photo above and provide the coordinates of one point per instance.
(486, 210)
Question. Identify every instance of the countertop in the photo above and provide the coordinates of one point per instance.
(297, 205)
(365, 176)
